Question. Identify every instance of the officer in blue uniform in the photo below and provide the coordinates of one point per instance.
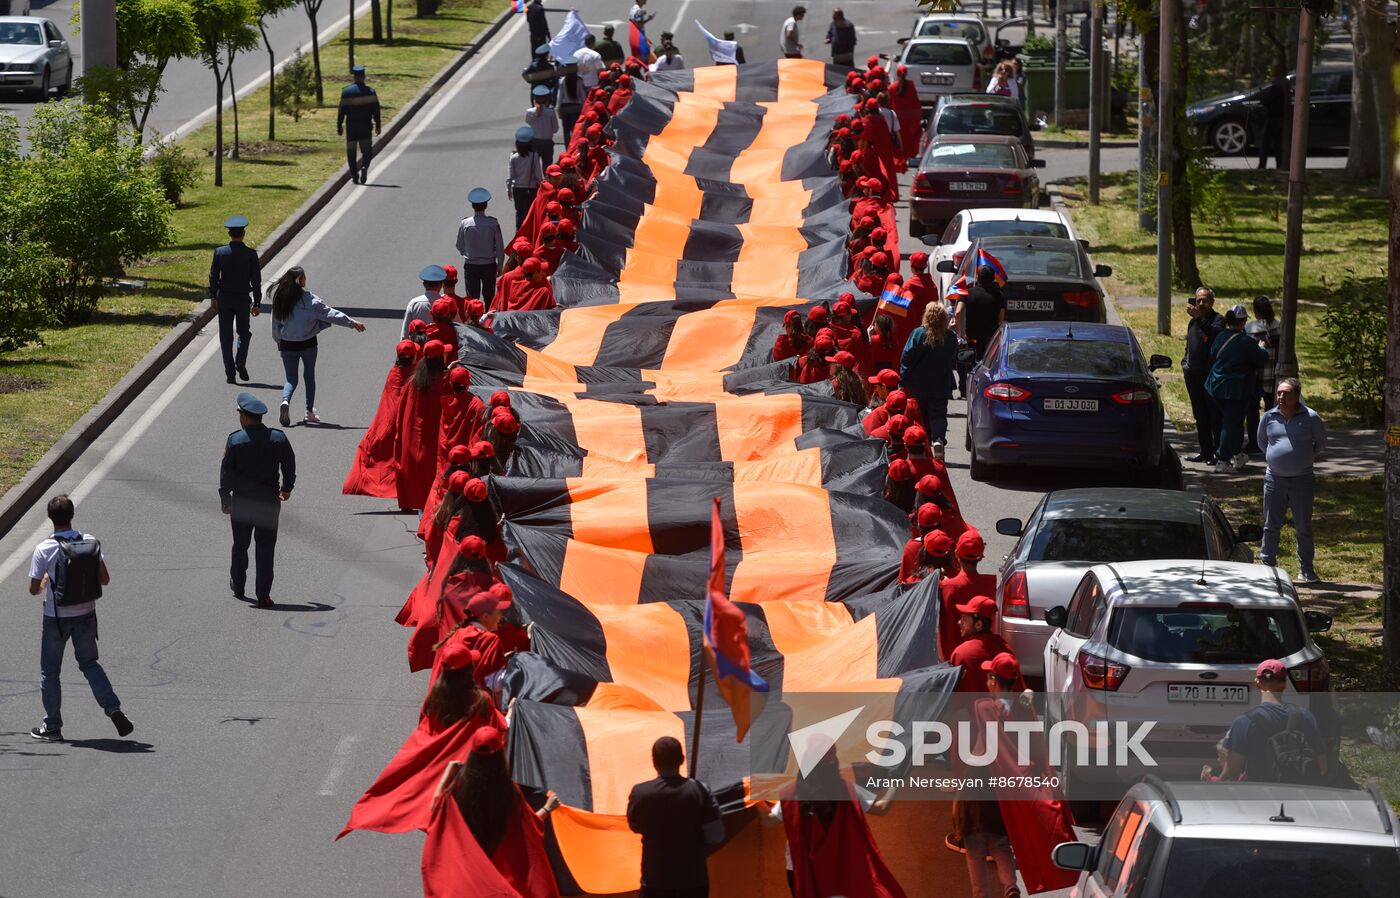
(235, 288)
(251, 493)
(358, 120)
(482, 248)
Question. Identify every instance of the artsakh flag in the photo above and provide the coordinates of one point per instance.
(727, 638)
(637, 38)
(894, 302)
(986, 258)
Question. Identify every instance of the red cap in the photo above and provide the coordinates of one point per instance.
(1271, 669)
(530, 265)
(482, 449)
(476, 308)
(843, 358)
(460, 376)
(872, 61)
(915, 435)
(498, 399)
(937, 542)
(434, 349)
(981, 606)
(880, 259)
(553, 171)
(416, 326)
(472, 545)
(817, 313)
(897, 425)
(456, 655)
(1004, 666)
(443, 307)
(971, 546)
(451, 272)
(553, 208)
(918, 261)
(867, 223)
(843, 308)
(594, 131)
(872, 103)
(505, 423)
(878, 235)
(929, 485)
(929, 516)
(566, 227)
(888, 378)
(549, 229)
(895, 401)
(900, 469)
(791, 315)
(566, 194)
(489, 600)
(407, 348)
(486, 741)
(458, 455)
(457, 480)
(475, 490)
(520, 246)
(824, 343)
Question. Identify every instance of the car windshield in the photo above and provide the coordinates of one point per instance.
(1016, 229)
(1274, 869)
(1097, 540)
(940, 28)
(938, 54)
(971, 155)
(23, 33)
(1206, 636)
(979, 118)
(1086, 358)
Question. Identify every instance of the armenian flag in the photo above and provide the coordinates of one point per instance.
(991, 261)
(637, 38)
(957, 289)
(519, 6)
(894, 302)
(727, 637)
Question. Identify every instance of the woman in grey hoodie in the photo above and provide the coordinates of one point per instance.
(298, 315)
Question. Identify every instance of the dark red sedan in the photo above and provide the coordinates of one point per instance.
(971, 171)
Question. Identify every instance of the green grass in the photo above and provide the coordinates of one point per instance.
(45, 389)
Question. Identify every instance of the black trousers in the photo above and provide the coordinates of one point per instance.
(480, 281)
(255, 523)
(524, 198)
(365, 146)
(233, 317)
(1203, 409)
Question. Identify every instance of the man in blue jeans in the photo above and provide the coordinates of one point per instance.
(1292, 436)
(77, 622)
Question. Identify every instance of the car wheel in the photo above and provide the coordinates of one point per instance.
(1169, 474)
(976, 468)
(916, 228)
(1229, 137)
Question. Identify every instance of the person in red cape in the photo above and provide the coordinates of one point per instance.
(501, 432)
(484, 839)
(961, 589)
(979, 643)
(850, 336)
(400, 799)
(527, 289)
(846, 384)
(921, 290)
(871, 203)
(874, 275)
(372, 474)
(474, 314)
(884, 352)
(897, 404)
(926, 519)
(449, 289)
(882, 156)
(463, 414)
(568, 232)
(899, 487)
(442, 328)
(443, 503)
(420, 412)
(792, 342)
(904, 100)
(468, 575)
(549, 248)
(598, 158)
(813, 367)
(484, 611)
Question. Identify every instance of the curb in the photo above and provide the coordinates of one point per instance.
(1050, 143)
(70, 447)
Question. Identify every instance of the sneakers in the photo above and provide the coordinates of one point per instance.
(1223, 467)
(312, 417)
(938, 449)
(1239, 462)
(284, 414)
(1202, 459)
(122, 723)
(44, 734)
(1308, 577)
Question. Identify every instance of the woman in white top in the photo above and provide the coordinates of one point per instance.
(669, 60)
(524, 173)
(1003, 81)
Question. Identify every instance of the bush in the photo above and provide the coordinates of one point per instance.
(296, 86)
(1038, 42)
(1354, 325)
(176, 170)
(25, 266)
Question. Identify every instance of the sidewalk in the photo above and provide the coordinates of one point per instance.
(1350, 453)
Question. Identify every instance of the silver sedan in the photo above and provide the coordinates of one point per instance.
(34, 56)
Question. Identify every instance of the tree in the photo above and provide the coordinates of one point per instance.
(150, 33)
(1371, 92)
(376, 22)
(1185, 177)
(268, 9)
(1390, 601)
(295, 85)
(26, 266)
(313, 9)
(225, 26)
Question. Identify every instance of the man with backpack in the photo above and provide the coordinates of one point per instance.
(69, 571)
(1274, 742)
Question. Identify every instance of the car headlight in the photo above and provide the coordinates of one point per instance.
(1201, 110)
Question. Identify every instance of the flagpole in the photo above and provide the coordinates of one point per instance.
(699, 713)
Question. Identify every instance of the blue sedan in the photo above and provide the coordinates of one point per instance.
(1064, 394)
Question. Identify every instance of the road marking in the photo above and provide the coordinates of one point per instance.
(680, 17)
(339, 759)
(143, 424)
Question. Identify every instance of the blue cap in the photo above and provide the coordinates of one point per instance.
(539, 90)
(524, 134)
(251, 405)
(542, 50)
(357, 70)
(480, 195)
(237, 221)
(432, 274)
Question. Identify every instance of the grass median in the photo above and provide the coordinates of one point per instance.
(45, 389)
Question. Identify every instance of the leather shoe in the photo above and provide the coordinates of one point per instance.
(264, 602)
(1201, 459)
(243, 373)
(236, 589)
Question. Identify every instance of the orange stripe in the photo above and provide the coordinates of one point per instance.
(789, 546)
(803, 466)
(619, 751)
(601, 575)
(753, 427)
(834, 662)
(648, 650)
(603, 515)
(613, 429)
(581, 331)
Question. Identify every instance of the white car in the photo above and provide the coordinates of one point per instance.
(943, 65)
(34, 57)
(956, 24)
(1175, 643)
(969, 224)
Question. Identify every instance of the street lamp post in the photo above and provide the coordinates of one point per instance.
(1165, 105)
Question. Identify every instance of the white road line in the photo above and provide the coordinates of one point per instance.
(339, 759)
(680, 17)
(143, 424)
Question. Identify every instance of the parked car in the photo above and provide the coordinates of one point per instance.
(942, 65)
(979, 113)
(967, 26)
(34, 57)
(1072, 530)
(1176, 642)
(969, 224)
(1046, 277)
(1230, 122)
(1078, 395)
(1243, 840)
(978, 169)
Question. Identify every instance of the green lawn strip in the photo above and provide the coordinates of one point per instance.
(45, 389)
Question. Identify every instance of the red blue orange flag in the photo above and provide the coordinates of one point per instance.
(991, 261)
(637, 38)
(957, 289)
(519, 6)
(727, 638)
(894, 301)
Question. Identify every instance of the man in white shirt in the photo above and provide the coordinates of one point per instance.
(639, 15)
(669, 60)
(419, 307)
(791, 38)
(590, 63)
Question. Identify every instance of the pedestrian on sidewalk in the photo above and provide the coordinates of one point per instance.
(524, 173)
(679, 822)
(841, 35)
(68, 569)
(358, 119)
(1266, 329)
(1251, 744)
(298, 315)
(1235, 358)
(257, 475)
(1201, 330)
(926, 370)
(1292, 436)
(235, 284)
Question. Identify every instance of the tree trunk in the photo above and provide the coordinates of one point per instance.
(376, 22)
(233, 95)
(1390, 602)
(1370, 55)
(149, 104)
(271, 85)
(218, 125)
(1280, 47)
(1183, 230)
(389, 21)
(316, 56)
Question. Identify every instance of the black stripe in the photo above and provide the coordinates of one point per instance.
(565, 632)
(544, 742)
(681, 432)
(680, 538)
(537, 524)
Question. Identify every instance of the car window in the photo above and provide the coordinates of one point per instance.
(1218, 537)
(1017, 229)
(1081, 606)
(979, 118)
(1206, 635)
(1270, 868)
(938, 54)
(971, 155)
(54, 33)
(1139, 865)
(1322, 82)
(940, 28)
(1117, 844)
(950, 236)
(1097, 540)
(1030, 260)
(1222, 524)
(1055, 355)
(993, 349)
(25, 34)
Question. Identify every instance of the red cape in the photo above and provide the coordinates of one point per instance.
(880, 155)
(422, 599)
(434, 621)
(841, 859)
(493, 655)
(530, 227)
(922, 291)
(454, 866)
(463, 417)
(416, 445)
(518, 294)
(904, 100)
(372, 473)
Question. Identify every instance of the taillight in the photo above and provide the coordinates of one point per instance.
(1100, 673)
(1084, 299)
(1311, 677)
(1015, 601)
(927, 186)
(1007, 392)
(1013, 184)
(1132, 397)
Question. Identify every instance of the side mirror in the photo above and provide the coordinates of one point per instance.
(1010, 527)
(1075, 856)
(1057, 616)
(946, 266)
(55, 45)
(1156, 361)
(1103, 271)
(1317, 621)
(1037, 163)
(1084, 243)
(903, 40)
(1249, 533)
(966, 357)
(932, 240)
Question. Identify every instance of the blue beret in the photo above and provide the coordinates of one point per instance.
(251, 404)
(542, 50)
(432, 273)
(481, 195)
(357, 70)
(524, 134)
(237, 221)
(539, 90)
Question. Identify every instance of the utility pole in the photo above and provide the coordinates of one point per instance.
(1297, 184)
(352, 35)
(1390, 598)
(1061, 48)
(1147, 137)
(1096, 92)
(99, 33)
(1166, 56)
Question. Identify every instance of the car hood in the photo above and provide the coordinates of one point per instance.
(12, 53)
(1235, 97)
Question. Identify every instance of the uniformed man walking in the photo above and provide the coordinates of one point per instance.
(482, 248)
(251, 493)
(419, 308)
(235, 288)
(358, 120)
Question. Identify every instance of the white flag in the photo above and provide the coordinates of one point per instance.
(722, 52)
(569, 40)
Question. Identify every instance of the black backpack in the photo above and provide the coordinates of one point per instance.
(1292, 758)
(77, 575)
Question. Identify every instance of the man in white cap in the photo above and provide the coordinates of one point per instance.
(420, 307)
(482, 248)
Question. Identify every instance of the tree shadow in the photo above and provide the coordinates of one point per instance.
(272, 186)
(46, 362)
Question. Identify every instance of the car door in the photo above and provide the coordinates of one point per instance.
(1234, 550)
(1062, 650)
(58, 56)
(1329, 115)
(948, 248)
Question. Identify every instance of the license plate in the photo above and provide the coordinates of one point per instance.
(1030, 305)
(936, 78)
(969, 185)
(1071, 405)
(1207, 692)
